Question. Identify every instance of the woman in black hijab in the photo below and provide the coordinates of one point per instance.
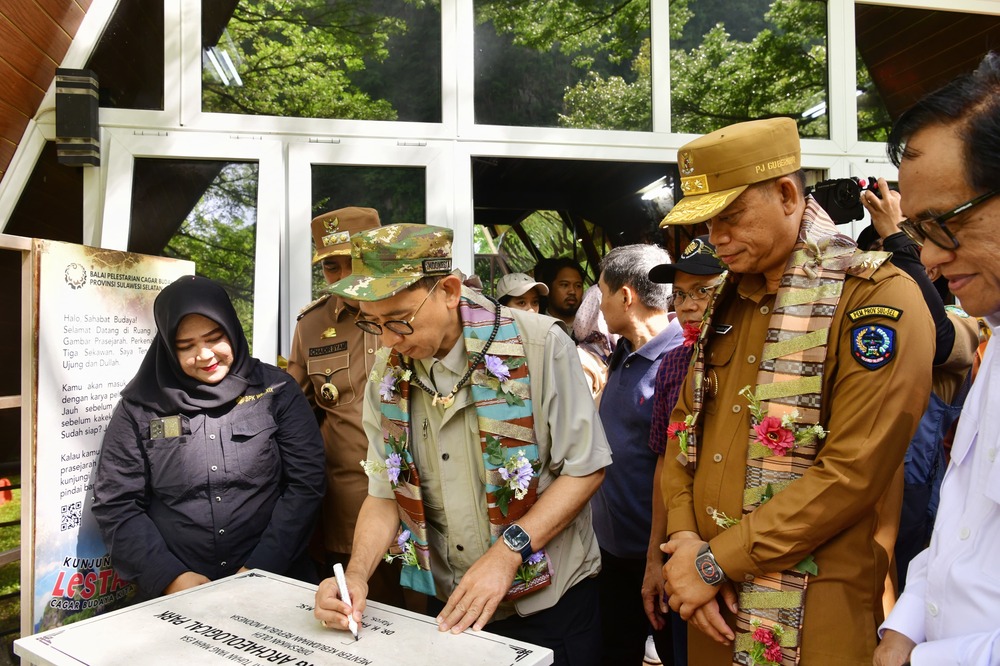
(212, 462)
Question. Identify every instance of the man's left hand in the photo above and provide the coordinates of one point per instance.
(482, 589)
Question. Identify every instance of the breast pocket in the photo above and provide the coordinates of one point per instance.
(333, 370)
(717, 360)
(256, 448)
(175, 463)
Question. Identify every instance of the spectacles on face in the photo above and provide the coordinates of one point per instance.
(933, 229)
(397, 326)
(678, 297)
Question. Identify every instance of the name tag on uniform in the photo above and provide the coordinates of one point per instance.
(168, 426)
(722, 329)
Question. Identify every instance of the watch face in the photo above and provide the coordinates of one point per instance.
(515, 537)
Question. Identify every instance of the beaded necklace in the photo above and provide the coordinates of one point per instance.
(447, 400)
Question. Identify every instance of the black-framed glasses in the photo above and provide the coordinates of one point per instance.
(397, 326)
(678, 297)
(933, 229)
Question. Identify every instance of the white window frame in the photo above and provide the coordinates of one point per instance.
(123, 146)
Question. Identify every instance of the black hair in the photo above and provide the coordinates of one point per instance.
(972, 103)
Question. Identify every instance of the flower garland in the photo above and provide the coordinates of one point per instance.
(516, 471)
(498, 377)
(530, 569)
(680, 430)
(780, 435)
(766, 649)
(407, 553)
(393, 467)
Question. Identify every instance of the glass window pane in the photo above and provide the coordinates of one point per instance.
(353, 59)
(737, 61)
(128, 59)
(204, 211)
(399, 194)
(563, 63)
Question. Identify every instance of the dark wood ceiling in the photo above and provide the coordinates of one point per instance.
(911, 52)
(34, 38)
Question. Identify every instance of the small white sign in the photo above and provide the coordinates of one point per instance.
(260, 618)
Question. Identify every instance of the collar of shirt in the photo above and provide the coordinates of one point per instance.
(448, 369)
(671, 336)
(752, 286)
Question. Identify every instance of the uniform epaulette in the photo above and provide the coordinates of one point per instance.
(313, 305)
(866, 263)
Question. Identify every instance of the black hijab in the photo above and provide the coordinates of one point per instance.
(161, 383)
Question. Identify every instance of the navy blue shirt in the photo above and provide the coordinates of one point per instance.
(622, 506)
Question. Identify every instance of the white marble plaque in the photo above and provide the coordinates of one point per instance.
(259, 618)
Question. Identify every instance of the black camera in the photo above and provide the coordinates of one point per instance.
(841, 197)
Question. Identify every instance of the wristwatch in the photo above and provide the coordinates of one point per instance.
(518, 541)
(707, 567)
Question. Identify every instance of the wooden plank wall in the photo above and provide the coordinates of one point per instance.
(34, 37)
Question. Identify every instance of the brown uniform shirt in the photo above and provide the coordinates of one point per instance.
(831, 511)
(328, 348)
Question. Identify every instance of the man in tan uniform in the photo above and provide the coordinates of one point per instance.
(794, 419)
(331, 359)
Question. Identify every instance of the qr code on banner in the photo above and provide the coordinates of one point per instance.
(71, 514)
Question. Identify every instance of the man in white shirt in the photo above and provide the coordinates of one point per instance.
(947, 148)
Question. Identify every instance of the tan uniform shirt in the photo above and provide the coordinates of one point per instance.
(831, 511)
(447, 453)
(328, 348)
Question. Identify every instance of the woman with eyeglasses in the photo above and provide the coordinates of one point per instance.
(212, 462)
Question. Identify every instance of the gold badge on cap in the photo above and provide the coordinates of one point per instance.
(331, 225)
(329, 392)
(329, 333)
(685, 163)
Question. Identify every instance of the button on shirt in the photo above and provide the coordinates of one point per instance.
(623, 504)
(951, 604)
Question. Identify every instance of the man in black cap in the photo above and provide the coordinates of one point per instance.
(695, 276)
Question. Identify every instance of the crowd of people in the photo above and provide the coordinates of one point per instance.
(778, 402)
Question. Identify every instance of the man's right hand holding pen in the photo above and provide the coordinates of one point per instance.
(331, 610)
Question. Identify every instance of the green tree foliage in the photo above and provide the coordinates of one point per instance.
(219, 235)
(612, 103)
(295, 58)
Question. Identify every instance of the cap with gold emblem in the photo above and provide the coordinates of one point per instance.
(332, 231)
(387, 260)
(718, 167)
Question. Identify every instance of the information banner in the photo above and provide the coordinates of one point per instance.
(259, 618)
(95, 323)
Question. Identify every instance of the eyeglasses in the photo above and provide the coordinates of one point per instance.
(934, 229)
(397, 326)
(678, 297)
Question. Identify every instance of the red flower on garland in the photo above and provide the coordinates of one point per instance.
(691, 333)
(765, 636)
(676, 427)
(773, 653)
(774, 436)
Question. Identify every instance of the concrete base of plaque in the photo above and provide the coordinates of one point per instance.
(258, 618)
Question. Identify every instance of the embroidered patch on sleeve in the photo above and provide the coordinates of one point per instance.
(875, 311)
(873, 346)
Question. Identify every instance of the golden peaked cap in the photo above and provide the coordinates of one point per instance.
(718, 167)
(332, 231)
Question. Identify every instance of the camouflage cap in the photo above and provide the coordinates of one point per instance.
(718, 167)
(332, 231)
(387, 260)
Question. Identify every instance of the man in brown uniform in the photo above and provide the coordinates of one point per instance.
(331, 359)
(794, 419)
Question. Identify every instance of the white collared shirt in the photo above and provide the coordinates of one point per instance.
(951, 604)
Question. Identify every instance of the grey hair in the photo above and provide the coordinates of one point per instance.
(629, 265)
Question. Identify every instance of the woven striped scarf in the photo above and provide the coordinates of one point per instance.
(506, 429)
(789, 378)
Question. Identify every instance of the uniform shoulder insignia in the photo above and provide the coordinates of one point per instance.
(873, 345)
(319, 301)
(885, 311)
